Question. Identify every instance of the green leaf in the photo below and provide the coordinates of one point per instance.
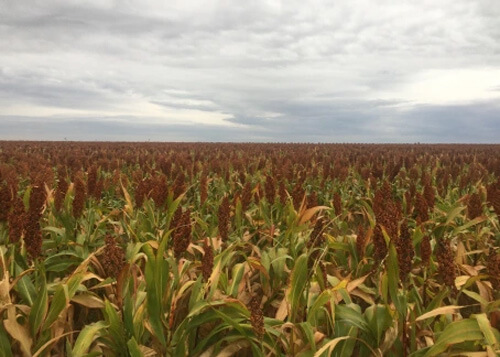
(40, 306)
(475, 296)
(6, 350)
(86, 337)
(350, 315)
(115, 328)
(393, 280)
(237, 274)
(57, 305)
(153, 297)
(379, 320)
(454, 333)
(133, 348)
(308, 331)
(297, 286)
(469, 224)
(25, 286)
(452, 214)
(320, 301)
(73, 284)
(486, 329)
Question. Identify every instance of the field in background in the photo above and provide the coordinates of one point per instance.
(157, 249)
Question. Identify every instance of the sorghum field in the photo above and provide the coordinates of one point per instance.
(156, 249)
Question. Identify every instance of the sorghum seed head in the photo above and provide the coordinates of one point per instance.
(429, 195)
(421, 207)
(474, 206)
(207, 261)
(270, 189)
(79, 199)
(16, 220)
(113, 258)
(493, 268)
(337, 203)
(246, 196)
(446, 263)
(223, 218)
(425, 250)
(182, 234)
(404, 248)
(360, 241)
(256, 317)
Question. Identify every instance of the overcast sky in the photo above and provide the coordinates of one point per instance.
(234, 70)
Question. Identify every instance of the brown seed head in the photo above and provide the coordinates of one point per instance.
(256, 317)
(207, 262)
(421, 208)
(380, 247)
(182, 234)
(113, 258)
(474, 206)
(337, 203)
(425, 250)
(494, 198)
(297, 195)
(493, 268)
(203, 188)
(37, 199)
(360, 241)
(159, 190)
(223, 218)
(405, 250)
(282, 192)
(61, 190)
(16, 220)
(92, 181)
(246, 196)
(79, 200)
(446, 263)
(270, 189)
(429, 195)
(33, 235)
(179, 185)
(5, 200)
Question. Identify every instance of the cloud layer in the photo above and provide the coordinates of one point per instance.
(357, 71)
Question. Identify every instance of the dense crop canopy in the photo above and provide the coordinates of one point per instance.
(151, 249)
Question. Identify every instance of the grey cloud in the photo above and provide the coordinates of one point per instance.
(202, 107)
(349, 122)
(279, 70)
(117, 129)
(476, 122)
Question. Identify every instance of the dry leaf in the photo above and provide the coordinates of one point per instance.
(18, 332)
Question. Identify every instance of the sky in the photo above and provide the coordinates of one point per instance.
(254, 70)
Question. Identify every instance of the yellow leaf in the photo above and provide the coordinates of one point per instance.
(282, 312)
(18, 332)
(308, 213)
(330, 345)
(355, 283)
(451, 309)
(129, 207)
